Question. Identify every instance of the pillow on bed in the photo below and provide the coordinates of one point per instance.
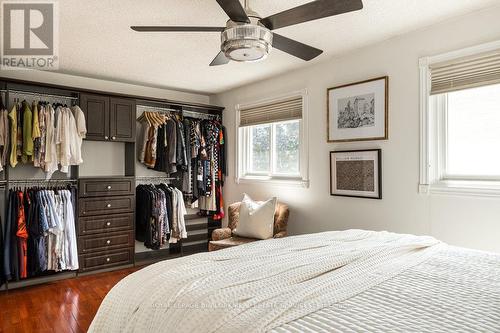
(256, 218)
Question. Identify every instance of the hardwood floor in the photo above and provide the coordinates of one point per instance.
(62, 306)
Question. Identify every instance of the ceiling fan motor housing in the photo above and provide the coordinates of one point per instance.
(247, 42)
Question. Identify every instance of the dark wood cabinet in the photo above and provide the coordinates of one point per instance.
(106, 205)
(122, 120)
(104, 224)
(106, 242)
(96, 111)
(105, 259)
(106, 221)
(98, 187)
(108, 118)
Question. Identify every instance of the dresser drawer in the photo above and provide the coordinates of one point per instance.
(106, 205)
(108, 187)
(109, 223)
(105, 242)
(102, 260)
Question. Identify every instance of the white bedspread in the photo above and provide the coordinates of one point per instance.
(348, 281)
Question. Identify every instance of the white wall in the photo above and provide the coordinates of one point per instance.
(103, 85)
(464, 221)
(100, 159)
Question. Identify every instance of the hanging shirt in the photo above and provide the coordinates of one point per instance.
(144, 140)
(35, 134)
(22, 238)
(80, 132)
(13, 136)
(27, 133)
(4, 138)
(63, 138)
(50, 143)
(19, 138)
(43, 136)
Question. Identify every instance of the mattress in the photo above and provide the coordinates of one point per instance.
(349, 281)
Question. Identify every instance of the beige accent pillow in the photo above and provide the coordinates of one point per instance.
(256, 218)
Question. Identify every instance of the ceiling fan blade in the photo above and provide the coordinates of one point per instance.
(311, 11)
(297, 49)
(219, 60)
(176, 29)
(234, 10)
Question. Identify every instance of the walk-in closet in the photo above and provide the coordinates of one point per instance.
(133, 180)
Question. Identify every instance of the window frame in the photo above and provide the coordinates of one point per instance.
(433, 135)
(243, 147)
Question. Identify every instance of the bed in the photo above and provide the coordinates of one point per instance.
(340, 281)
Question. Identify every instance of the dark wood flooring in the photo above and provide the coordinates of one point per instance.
(61, 306)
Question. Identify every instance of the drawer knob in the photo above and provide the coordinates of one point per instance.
(108, 224)
(108, 205)
(109, 187)
(107, 259)
(114, 137)
(108, 241)
(106, 137)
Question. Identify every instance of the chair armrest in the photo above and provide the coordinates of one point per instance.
(220, 234)
(280, 234)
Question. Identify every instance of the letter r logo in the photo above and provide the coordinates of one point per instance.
(28, 28)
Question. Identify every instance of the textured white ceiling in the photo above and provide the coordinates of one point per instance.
(96, 41)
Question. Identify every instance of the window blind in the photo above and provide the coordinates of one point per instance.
(464, 73)
(282, 110)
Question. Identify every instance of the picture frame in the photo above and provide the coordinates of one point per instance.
(358, 111)
(356, 173)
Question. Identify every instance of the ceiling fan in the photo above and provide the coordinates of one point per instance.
(248, 37)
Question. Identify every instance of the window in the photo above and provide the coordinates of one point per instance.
(473, 133)
(460, 122)
(272, 141)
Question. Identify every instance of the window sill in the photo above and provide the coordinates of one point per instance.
(463, 187)
(286, 182)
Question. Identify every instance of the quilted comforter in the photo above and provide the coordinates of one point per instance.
(346, 281)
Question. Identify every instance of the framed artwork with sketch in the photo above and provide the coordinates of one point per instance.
(356, 173)
(358, 111)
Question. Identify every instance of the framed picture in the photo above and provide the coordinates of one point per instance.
(356, 173)
(359, 111)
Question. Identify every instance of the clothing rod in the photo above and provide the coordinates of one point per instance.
(39, 181)
(156, 178)
(193, 114)
(19, 92)
(155, 108)
(189, 114)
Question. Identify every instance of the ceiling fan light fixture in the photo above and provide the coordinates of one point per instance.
(247, 42)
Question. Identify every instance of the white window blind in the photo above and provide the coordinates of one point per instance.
(464, 73)
(276, 111)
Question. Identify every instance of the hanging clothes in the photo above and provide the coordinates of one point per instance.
(36, 135)
(41, 233)
(49, 136)
(4, 135)
(27, 132)
(160, 214)
(13, 136)
(191, 150)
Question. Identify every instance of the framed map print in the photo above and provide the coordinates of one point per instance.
(356, 173)
(359, 111)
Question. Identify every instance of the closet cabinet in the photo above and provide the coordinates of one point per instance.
(108, 118)
(96, 111)
(106, 222)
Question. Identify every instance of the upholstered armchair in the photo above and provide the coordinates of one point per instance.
(223, 238)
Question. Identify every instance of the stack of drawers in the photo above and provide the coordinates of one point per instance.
(106, 222)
